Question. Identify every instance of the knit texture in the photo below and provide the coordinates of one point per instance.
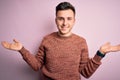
(62, 58)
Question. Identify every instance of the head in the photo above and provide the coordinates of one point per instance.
(65, 18)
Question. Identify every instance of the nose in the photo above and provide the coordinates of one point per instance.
(65, 22)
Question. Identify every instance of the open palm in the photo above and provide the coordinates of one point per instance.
(106, 48)
(12, 46)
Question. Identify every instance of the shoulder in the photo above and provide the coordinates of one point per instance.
(51, 35)
(46, 39)
(80, 38)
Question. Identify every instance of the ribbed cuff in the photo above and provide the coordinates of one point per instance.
(100, 54)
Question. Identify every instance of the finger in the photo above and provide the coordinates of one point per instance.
(115, 48)
(5, 44)
(2, 43)
(108, 43)
(118, 46)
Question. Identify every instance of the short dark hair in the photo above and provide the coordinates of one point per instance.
(65, 6)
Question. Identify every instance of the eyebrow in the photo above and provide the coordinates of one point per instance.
(63, 17)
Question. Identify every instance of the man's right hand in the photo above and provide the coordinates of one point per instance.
(16, 46)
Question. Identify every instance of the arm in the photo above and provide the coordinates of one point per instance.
(107, 48)
(35, 61)
(16, 46)
(30, 59)
(89, 66)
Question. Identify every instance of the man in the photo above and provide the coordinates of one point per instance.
(63, 55)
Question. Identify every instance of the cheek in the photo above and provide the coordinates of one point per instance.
(59, 23)
(72, 23)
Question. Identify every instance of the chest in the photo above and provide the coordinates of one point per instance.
(65, 49)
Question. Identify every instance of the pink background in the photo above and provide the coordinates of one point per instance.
(29, 20)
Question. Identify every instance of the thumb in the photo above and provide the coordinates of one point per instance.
(108, 43)
(16, 41)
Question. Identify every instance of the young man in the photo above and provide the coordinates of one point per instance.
(63, 55)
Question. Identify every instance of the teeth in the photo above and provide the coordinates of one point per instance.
(64, 27)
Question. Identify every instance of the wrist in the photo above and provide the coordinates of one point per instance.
(20, 48)
(101, 54)
(102, 51)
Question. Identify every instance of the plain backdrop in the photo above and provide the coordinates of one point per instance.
(98, 21)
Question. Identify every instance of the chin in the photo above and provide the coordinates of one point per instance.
(64, 32)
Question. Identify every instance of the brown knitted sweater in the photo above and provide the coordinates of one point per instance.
(62, 58)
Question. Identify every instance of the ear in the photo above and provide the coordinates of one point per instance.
(74, 20)
(56, 20)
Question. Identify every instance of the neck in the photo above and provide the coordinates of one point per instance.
(64, 35)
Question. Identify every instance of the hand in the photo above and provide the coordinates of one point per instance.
(16, 46)
(106, 48)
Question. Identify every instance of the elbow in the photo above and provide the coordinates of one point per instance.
(87, 76)
(36, 69)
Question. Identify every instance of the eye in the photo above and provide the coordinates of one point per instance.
(69, 18)
(59, 18)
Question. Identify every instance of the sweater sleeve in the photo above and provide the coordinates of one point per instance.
(35, 61)
(88, 66)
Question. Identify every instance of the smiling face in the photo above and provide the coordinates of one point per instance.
(65, 20)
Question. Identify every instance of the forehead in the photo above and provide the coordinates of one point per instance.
(65, 13)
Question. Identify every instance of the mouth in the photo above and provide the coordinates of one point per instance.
(64, 27)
